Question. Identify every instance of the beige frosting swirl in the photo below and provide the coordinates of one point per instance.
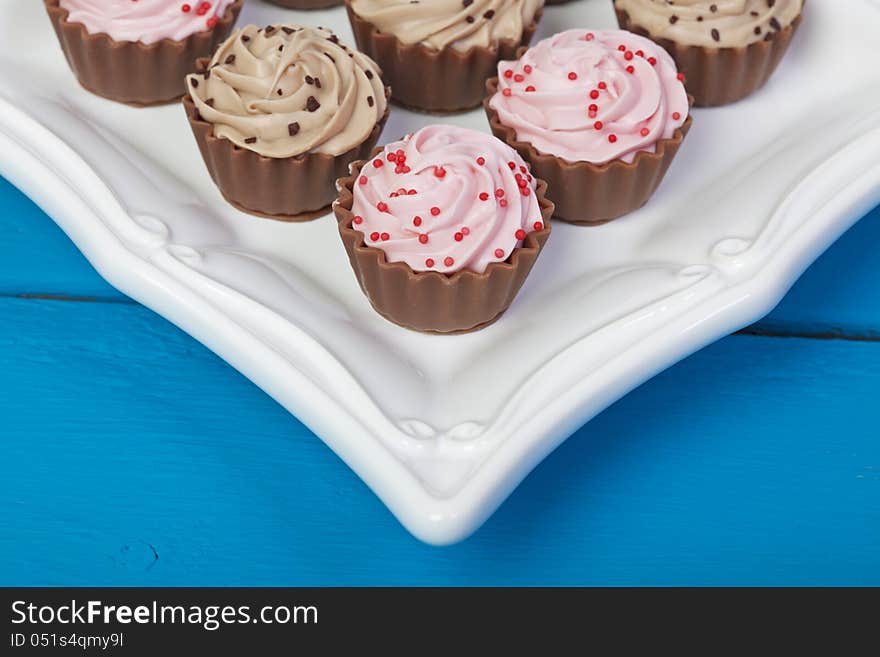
(461, 24)
(718, 23)
(285, 90)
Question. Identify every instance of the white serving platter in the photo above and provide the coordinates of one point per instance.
(442, 428)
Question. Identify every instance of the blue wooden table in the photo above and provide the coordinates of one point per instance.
(130, 455)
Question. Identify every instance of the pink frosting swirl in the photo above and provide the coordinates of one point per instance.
(592, 95)
(446, 199)
(147, 21)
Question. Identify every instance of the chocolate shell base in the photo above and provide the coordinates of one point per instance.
(440, 81)
(132, 72)
(720, 76)
(592, 194)
(430, 301)
(306, 4)
(297, 188)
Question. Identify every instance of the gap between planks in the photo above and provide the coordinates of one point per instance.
(753, 331)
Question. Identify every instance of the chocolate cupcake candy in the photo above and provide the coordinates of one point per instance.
(442, 228)
(599, 115)
(437, 55)
(138, 52)
(280, 112)
(727, 50)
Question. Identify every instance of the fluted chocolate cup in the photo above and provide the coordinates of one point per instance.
(132, 72)
(306, 4)
(592, 194)
(431, 301)
(427, 79)
(720, 76)
(299, 188)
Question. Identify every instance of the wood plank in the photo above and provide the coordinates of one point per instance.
(36, 255)
(838, 294)
(131, 455)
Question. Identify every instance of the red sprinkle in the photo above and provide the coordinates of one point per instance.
(484, 196)
(385, 237)
(429, 262)
(589, 36)
(652, 61)
(381, 206)
(594, 94)
(645, 132)
(612, 138)
(378, 163)
(448, 261)
(465, 230)
(518, 77)
(503, 203)
(621, 48)
(628, 55)
(362, 180)
(512, 166)
(499, 253)
(423, 238)
(417, 221)
(593, 108)
(508, 73)
(505, 92)
(538, 226)
(603, 85)
(440, 172)
(680, 77)
(435, 211)
(676, 116)
(520, 234)
(527, 68)
(530, 88)
(598, 125)
(481, 161)
(358, 219)
(572, 76)
(499, 193)
(458, 237)
(630, 69)
(374, 237)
